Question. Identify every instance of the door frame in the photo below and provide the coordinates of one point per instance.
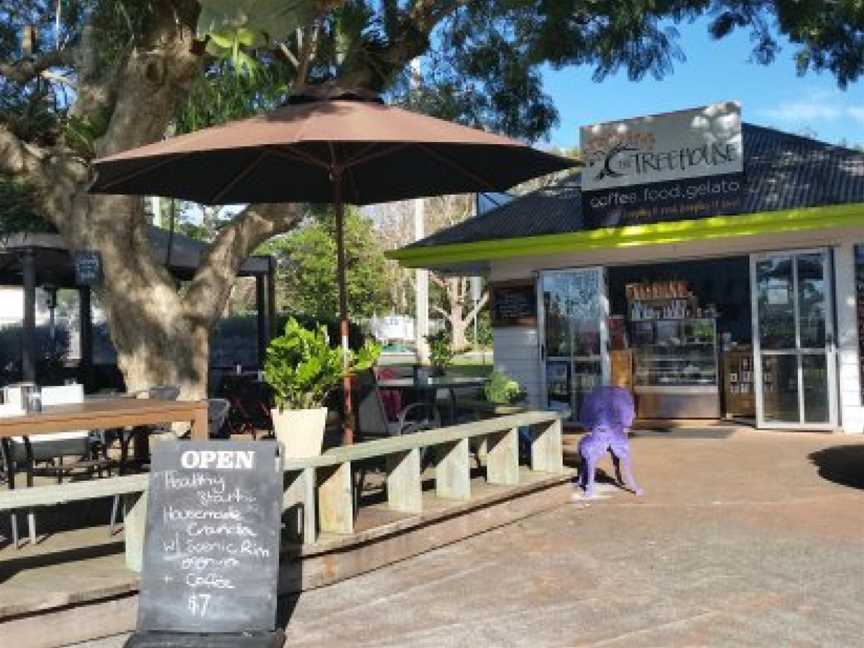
(605, 358)
(829, 349)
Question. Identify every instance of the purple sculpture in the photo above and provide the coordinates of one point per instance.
(606, 413)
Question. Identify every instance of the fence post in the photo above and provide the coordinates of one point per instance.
(546, 450)
(335, 499)
(502, 459)
(298, 503)
(134, 523)
(453, 470)
(404, 490)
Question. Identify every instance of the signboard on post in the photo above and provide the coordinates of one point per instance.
(211, 549)
(88, 268)
(675, 166)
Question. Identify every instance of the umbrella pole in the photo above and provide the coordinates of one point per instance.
(348, 422)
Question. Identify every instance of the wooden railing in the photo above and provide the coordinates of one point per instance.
(319, 494)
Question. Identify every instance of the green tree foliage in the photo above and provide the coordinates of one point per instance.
(829, 36)
(18, 212)
(306, 281)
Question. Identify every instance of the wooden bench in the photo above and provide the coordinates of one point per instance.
(319, 495)
(330, 474)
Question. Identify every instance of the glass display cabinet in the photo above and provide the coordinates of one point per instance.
(676, 372)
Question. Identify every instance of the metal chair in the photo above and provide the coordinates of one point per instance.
(125, 436)
(217, 413)
(606, 413)
(372, 421)
(44, 454)
(157, 392)
(372, 418)
(250, 405)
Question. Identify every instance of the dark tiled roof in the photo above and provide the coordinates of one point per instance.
(783, 171)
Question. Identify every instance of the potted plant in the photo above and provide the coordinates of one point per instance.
(303, 369)
(503, 389)
(440, 351)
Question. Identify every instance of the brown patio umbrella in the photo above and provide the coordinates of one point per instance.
(327, 145)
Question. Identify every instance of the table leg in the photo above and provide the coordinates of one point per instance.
(199, 423)
(452, 406)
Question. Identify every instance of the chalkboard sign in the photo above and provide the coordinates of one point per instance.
(211, 547)
(88, 268)
(513, 304)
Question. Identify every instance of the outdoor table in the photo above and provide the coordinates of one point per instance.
(429, 387)
(107, 413)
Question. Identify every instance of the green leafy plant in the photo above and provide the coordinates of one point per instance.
(302, 367)
(501, 388)
(440, 350)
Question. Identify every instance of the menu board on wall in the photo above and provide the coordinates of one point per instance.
(211, 549)
(513, 304)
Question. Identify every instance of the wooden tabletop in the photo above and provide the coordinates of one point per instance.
(107, 413)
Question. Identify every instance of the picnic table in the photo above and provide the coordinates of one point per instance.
(107, 413)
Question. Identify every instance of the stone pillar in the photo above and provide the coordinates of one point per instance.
(850, 409)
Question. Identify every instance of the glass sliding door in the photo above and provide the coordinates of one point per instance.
(574, 347)
(793, 339)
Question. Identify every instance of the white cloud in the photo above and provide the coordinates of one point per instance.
(856, 113)
(817, 106)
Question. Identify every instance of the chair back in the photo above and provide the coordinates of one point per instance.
(609, 407)
(217, 412)
(48, 446)
(371, 415)
(164, 392)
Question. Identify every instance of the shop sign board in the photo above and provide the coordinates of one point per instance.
(88, 267)
(674, 166)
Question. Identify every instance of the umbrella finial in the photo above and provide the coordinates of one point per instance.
(331, 91)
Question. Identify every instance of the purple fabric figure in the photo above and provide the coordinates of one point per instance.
(606, 413)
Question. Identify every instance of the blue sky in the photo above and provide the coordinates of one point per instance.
(771, 95)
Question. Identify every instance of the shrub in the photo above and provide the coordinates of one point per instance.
(440, 350)
(302, 368)
(503, 389)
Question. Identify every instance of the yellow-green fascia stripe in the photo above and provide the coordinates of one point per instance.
(795, 220)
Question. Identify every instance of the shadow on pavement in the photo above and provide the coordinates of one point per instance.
(843, 464)
(684, 433)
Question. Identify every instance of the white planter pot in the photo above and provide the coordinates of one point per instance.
(300, 432)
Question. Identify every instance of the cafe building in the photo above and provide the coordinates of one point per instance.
(714, 267)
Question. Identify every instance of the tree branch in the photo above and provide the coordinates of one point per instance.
(19, 158)
(29, 68)
(480, 304)
(410, 42)
(306, 53)
(235, 242)
(438, 281)
(441, 312)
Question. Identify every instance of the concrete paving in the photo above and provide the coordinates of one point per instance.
(744, 538)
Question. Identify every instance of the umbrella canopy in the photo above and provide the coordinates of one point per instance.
(325, 146)
(380, 153)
